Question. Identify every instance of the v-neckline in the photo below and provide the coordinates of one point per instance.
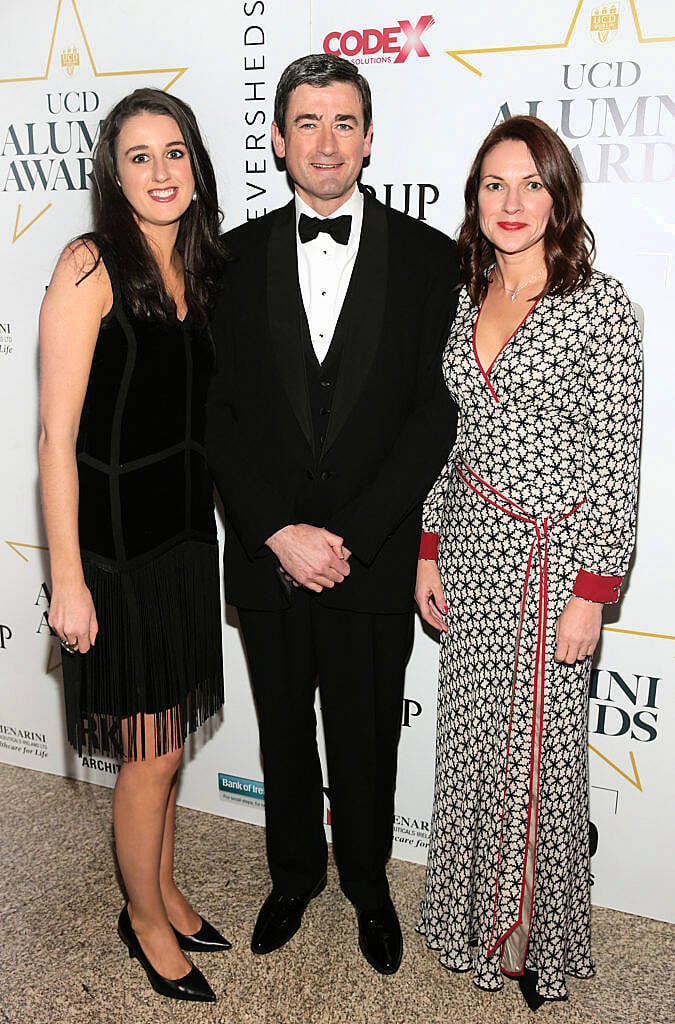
(486, 372)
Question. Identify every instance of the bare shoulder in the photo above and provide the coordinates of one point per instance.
(80, 276)
(80, 260)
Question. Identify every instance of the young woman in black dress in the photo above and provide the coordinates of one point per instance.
(125, 363)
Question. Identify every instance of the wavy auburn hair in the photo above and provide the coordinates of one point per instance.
(115, 222)
(569, 245)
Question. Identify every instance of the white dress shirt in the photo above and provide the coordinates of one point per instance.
(325, 270)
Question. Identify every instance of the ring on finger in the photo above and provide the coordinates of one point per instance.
(70, 648)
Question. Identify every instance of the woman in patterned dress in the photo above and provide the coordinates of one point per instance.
(126, 359)
(528, 532)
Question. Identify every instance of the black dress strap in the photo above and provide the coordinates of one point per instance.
(110, 265)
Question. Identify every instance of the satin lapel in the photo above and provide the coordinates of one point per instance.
(283, 307)
(362, 315)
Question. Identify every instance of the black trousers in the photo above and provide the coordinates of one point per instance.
(358, 660)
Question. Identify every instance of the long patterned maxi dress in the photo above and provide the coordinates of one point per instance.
(541, 483)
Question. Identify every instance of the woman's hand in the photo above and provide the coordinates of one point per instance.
(578, 630)
(429, 595)
(73, 617)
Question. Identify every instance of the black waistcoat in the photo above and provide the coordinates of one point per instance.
(313, 500)
(321, 378)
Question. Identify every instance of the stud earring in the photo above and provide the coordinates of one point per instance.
(194, 196)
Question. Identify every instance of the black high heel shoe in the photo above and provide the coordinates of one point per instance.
(193, 985)
(206, 940)
(527, 983)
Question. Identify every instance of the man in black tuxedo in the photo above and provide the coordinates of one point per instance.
(328, 422)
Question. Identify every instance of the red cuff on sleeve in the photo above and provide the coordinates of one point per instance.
(592, 587)
(429, 546)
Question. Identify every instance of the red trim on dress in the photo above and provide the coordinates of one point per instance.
(475, 354)
(429, 546)
(540, 540)
(591, 586)
(485, 373)
(490, 501)
(538, 711)
(491, 947)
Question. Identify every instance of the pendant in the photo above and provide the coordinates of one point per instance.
(513, 296)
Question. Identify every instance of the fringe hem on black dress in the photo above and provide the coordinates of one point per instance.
(158, 655)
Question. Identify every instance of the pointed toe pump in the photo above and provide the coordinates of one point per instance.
(192, 986)
(207, 940)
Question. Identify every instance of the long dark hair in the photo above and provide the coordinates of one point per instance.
(115, 223)
(569, 245)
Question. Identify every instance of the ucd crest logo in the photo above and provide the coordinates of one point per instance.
(605, 21)
(70, 60)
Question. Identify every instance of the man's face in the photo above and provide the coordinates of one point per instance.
(324, 143)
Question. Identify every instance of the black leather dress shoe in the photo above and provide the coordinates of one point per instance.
(192, 986)
(206, 940)
(280, 917)
(380, 938)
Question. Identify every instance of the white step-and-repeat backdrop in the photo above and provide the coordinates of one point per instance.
(442, 74)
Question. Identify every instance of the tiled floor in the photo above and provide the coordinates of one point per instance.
(62, 962)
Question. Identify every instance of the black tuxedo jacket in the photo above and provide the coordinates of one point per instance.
(392, 421)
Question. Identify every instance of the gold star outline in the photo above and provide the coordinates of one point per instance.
(53, 659)
(16, 544)
(459, 55)
(174, 72)
(634, 779)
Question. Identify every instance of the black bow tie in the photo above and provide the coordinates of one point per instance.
(337, 227)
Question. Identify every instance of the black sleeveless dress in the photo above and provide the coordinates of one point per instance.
(147, 537)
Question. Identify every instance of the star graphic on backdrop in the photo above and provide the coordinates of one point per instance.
(460, 55)
(634, 779)
(70, 60)
(16, 545)
(53, 659)
(19, 548)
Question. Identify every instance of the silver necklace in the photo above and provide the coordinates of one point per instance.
(513, 294)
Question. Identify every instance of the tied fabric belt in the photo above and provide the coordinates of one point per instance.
(517, 852)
